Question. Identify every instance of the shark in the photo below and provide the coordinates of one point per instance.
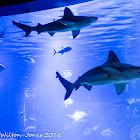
(111, 72)
(63, 50)
(69, 22)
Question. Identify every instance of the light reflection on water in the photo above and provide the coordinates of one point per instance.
(117, 28)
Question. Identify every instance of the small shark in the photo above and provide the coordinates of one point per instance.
(63, 50)
(68, 22)
(2, 68)
(111, 72)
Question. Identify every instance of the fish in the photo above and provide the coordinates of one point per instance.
(108, 133)
(2, 34)
(91, 130)
(2, 68)
(135, 132)
(27, 59)
(63, 50)
(111, 72)
(68, 102)
(77, 116)
(68, 22)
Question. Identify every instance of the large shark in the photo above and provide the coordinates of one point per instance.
(68, 22)
(111, 72)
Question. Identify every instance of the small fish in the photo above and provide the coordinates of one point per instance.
(77, 116)
(68, 102)
(2, 34)
(27, 59)
(90, 130)
(108, 133)
(32, 119)
(63, 50)
(95, 128)
(135, 132)
(21, 113)
(2, 68)
(30, 128)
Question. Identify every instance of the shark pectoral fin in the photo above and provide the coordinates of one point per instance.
(88, 87)
(111, 71)
(120, 87)
(27, 33)
(75, 33)
(51, 33)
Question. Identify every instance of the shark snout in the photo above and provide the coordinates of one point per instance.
(96, 18)
(92, 19)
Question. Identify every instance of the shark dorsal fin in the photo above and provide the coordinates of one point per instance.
(38, 24)
(112, 57)
(68, 13)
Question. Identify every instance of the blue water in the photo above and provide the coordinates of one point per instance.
(32, 99)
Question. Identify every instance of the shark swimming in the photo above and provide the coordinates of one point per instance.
(111, 72)
(63, 50)
(68, 22)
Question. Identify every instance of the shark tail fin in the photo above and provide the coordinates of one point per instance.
(68, 85)
(54, 52)
(24, 27)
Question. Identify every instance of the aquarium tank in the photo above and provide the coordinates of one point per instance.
(70, 71)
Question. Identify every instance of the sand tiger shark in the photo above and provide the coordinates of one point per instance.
(68, 22)
(111, 72)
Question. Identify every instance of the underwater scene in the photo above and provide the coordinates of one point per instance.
(71, 73)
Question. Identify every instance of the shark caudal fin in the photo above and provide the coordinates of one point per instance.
(54, 52)
(68, 86)
(24, 27)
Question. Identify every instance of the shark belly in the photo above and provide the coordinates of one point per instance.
(76, 26)
(52, 27)
(105, 79)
